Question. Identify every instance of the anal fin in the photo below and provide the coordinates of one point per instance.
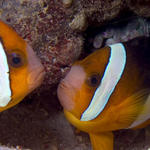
(102, 141)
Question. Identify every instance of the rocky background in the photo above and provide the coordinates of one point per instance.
(60, 32)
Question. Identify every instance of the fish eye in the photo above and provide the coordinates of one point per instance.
(15, 59)
(94, 80)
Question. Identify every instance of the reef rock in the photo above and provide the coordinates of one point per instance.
(54, 28)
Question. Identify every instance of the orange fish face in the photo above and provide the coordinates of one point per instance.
(24, 70)
(76, 90)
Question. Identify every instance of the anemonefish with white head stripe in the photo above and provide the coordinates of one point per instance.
(20, 69)
(109, 90)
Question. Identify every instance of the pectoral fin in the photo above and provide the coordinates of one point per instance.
(131, 108)
(102, 141)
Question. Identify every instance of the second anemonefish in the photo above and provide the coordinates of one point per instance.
(109, 90)
(20, 69)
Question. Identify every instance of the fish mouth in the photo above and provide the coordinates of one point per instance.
(35, 78)
(35, 69)
(65, 95)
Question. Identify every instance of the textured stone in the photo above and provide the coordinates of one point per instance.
(140, 7)
(54, 28)
(67, 3)
(79, 22)
(99, 11)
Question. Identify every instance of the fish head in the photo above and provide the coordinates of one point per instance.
(76, 90)
(24, 70)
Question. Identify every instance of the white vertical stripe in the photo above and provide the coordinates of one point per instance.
(108, 83)
(5, 91)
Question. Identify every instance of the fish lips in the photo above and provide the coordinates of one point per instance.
(65, 95)
(36, 70)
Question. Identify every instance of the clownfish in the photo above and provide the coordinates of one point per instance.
(20, 69)
(109, 90)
